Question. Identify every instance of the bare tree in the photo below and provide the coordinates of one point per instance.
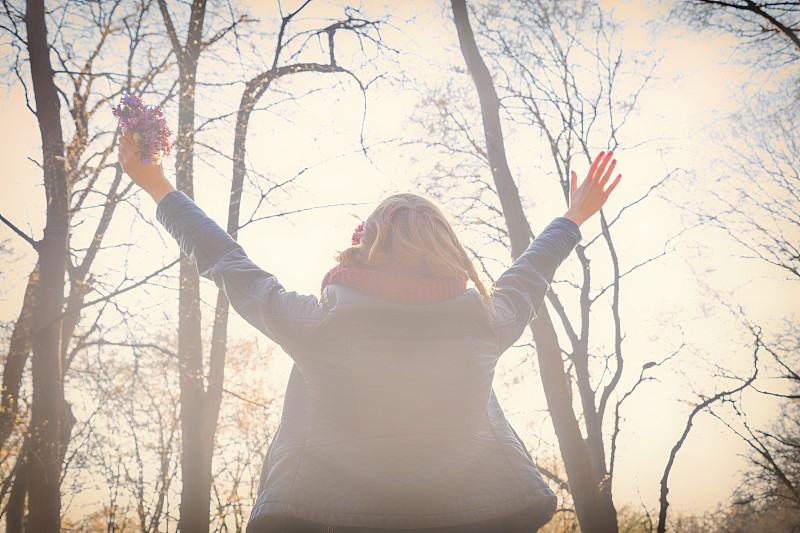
(706, 403)
(195, 452)
(128, 446)
(592, 512)
(534, 45)
(772, 26)
(73, 171)
(51, 419)
(774, 480)
(755, 198)
(752, 199)
(200, 403)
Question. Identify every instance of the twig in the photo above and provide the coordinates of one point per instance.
(133, 286)
(15, 229)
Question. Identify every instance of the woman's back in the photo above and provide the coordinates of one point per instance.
(391, 420)
(401, 367)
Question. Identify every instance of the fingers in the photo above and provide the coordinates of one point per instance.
(607, 174)
(595, 165)
(613, 185)
(124, 146)
(573, 182)
(128, 149)
(127, 152)
(126, 143)
(598, 169)
(122, 154)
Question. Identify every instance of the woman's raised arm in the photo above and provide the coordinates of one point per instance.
(520, 291)
(285, 317)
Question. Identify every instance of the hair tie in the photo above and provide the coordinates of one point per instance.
(356, 238)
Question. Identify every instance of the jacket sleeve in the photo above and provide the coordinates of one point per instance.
(519, 292)
(255, 294)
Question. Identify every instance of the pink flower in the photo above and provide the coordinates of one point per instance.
(149, 127)
(356, 239)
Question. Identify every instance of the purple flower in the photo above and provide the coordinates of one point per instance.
(149, 127)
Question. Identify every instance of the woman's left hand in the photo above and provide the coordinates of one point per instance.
(586, 200)
(148, 176)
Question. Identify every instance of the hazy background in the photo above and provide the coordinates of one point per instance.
(688, 117)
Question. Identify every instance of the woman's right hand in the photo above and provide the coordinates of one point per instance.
(148, 176)
(586, 200)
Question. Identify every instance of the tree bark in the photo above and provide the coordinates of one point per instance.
(48, 387)
(518, 229)
(788, 32)
(18, 351)
(15, 508)
(596, 514)
(195, 468)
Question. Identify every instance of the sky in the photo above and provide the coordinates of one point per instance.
(696, 85)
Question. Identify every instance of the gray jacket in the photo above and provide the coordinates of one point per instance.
(389, 418)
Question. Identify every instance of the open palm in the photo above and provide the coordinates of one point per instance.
(586, 200)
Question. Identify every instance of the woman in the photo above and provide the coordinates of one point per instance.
(389, 420)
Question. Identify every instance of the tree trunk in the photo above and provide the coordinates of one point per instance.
(518, 229)
(595, 513)
(194, 509)
(15, 508)
(195, 468)
(48, 387)
(18, 351)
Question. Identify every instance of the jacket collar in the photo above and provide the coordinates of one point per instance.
(340, 298)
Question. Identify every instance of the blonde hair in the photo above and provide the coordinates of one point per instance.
(411, 230)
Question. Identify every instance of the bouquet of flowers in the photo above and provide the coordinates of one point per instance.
(149, 127)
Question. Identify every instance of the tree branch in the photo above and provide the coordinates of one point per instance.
(662, 515)
(756, 9)
(15, 229)
(133, 286)
(171, 33)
